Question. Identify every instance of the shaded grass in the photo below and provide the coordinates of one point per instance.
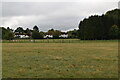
(92, 59)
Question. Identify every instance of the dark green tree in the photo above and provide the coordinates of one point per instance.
(19, 30)
(9, 35)
(37, 35)
(73, 33)
(4, 31)
(98, 27)
(114, 31)
(50, 32)
(35, 28)
(11, 30)
(28, 32)
(56, 34)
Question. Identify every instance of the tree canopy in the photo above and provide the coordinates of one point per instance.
(35, 28)
(99, 27)
(7, 33)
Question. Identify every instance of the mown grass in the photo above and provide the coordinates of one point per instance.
(86, 59)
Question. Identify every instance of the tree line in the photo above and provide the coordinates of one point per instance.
(104, 27)
(35, 33)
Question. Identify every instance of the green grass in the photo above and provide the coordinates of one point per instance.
(54, 41)
(42, 41)
(85, 59)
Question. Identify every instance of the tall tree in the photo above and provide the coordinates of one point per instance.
(73, 33)
(7, 34)
(19, 30)
(56, 34)
(98, 27)
(50, 32)
(35, 28)
(37, 35)
(28, 32)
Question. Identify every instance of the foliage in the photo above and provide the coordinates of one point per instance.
(37, 35)
(98, 27)
(28, 32)
(50, 32)
(114, 31)
(19, 30)
(35, 28)
(7, 34)
(73, 34)
(56, 34)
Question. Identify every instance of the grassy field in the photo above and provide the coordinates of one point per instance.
(83, 59)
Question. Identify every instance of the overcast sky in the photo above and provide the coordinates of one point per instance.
(46, 15)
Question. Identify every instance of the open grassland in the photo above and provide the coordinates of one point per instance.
(86, 59)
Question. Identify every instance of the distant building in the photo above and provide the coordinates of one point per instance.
(48, 36)
(63, 35)
(17, 35)
(22, 36)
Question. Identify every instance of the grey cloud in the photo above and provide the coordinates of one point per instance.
(119, 4)
(31, 8)
(57, 15)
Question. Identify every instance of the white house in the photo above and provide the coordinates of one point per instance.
(48, 36)
(22, 36)
(63, 36)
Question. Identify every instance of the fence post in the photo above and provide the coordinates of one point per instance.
(34, 40)
(69, 41)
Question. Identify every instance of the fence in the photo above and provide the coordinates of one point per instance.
(54, 41)
(42, 41)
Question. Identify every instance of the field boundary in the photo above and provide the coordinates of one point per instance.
(54, 41)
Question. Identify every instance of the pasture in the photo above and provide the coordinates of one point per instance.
(82, 59)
